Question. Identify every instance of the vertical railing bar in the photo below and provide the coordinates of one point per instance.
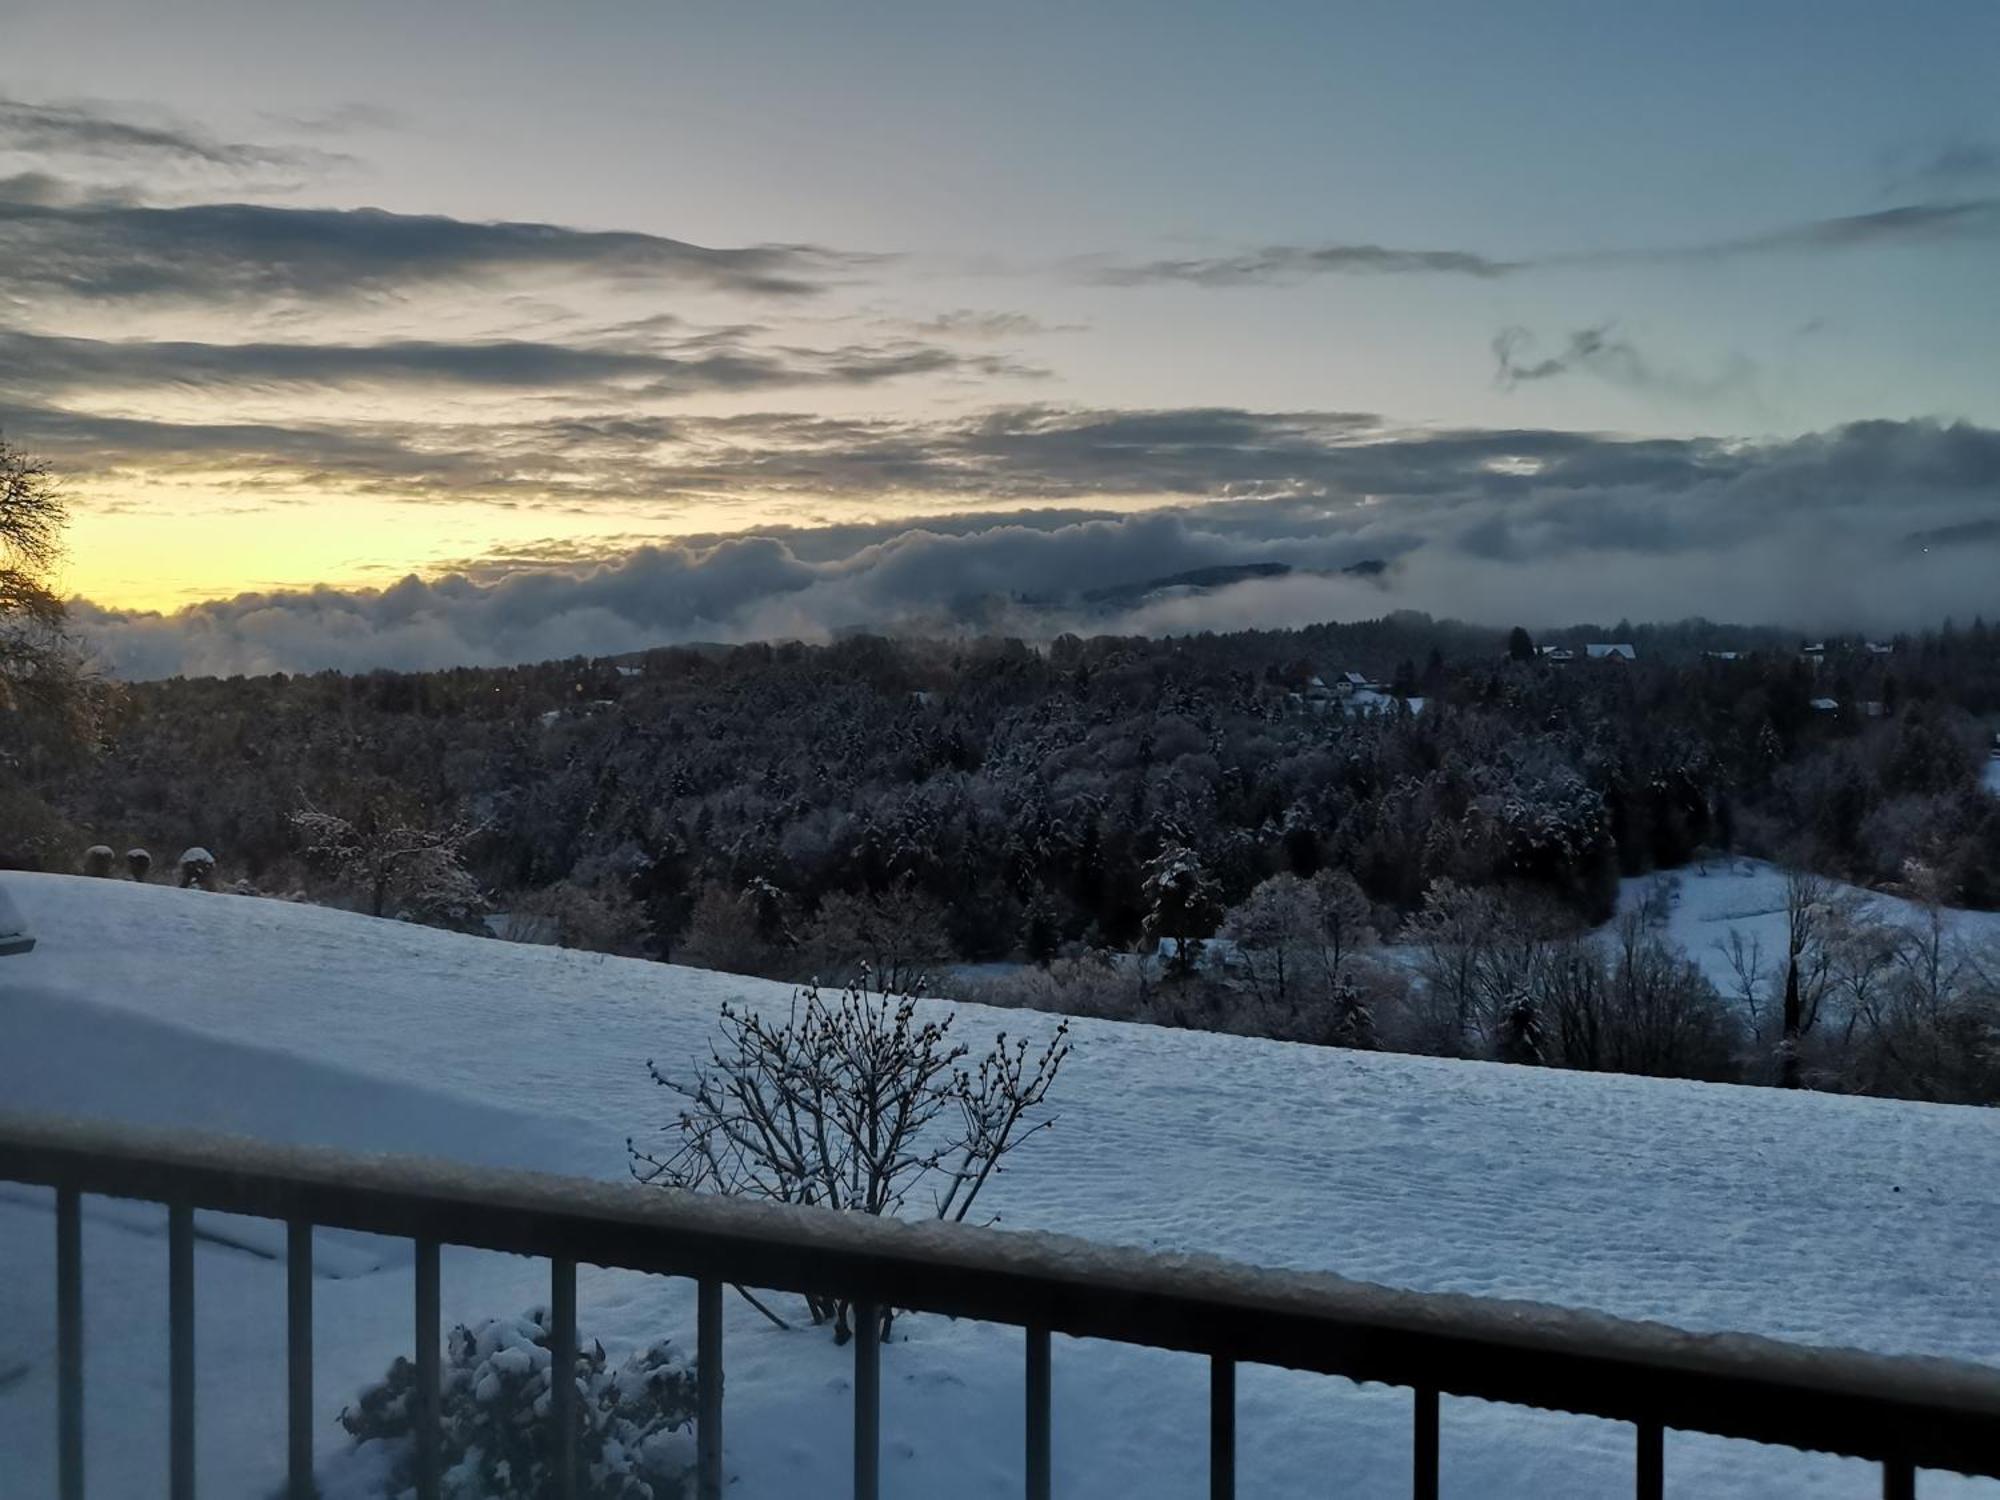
(1899, 1480)
(562, 1375)
(1222, 1429)
(180, 1351)
(1424, 1453)
(1038, 1414)
(299, 1357)
(1651, 1462)
(429, 1413)
(867, 1401)
(708, 1390)
(69, 1344)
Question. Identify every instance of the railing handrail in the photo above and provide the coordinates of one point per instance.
(1919, 1410)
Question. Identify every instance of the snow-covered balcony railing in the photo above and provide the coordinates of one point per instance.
(1903, 1413)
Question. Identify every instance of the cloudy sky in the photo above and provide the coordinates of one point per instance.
(472, 331)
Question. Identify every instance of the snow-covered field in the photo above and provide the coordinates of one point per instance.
(1707, 901)
(1801, 1216)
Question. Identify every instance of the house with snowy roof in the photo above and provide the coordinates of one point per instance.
(1612, 651)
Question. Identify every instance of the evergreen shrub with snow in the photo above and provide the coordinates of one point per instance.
(634, 1424)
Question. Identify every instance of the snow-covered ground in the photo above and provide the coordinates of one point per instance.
(1709, 900)
(1802, 1216)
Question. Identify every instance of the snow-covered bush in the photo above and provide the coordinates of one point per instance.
(634, 1424)
(197, 867)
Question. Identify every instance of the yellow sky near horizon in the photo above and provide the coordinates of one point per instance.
(159, 557)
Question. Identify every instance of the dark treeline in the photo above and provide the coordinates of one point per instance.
(1021, 799)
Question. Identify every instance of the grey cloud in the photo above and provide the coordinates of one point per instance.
(975, 325)
(222, 252)
(1538, 527)
(1954, 163)
(1918, 223)
(1616, 360)
(46, 366)
(1285, 263)
(77, 130)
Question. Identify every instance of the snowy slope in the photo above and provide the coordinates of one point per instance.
(1709, 900)
(1801, 1216)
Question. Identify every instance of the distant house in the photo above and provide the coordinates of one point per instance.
(1723, 655)
(1826, 705)
(1557, 654)
(1611, 651)
(1880, 648)
(1874, 708)
(1355, 680)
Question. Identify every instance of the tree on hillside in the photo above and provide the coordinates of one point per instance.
(32, 518)
(1520, 645)
(1809, 914)
(1181, 905)
(384, 852)
(40, 666)
(48, 703)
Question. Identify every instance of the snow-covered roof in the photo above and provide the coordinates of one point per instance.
(1723, 655)
(1612, 650)
(1355, 679)
(1826, 705)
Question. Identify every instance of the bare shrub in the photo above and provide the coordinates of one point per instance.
(852, 1103)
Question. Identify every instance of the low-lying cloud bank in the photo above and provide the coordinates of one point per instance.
(1877, 525)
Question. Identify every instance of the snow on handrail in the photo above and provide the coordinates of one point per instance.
(1903, 1411)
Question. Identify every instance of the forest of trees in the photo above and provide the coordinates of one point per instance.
(799, 811)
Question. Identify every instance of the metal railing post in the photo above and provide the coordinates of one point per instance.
(1222, 1429)
(69, 1344)
(1038, 1413)
(299, 1357)
(1651, 1462)
(1424, 1451)
(562, 1375)
(867, 1401)
(1899, 1480)
(180, 1351)
(708, 1390)
(429, 1416)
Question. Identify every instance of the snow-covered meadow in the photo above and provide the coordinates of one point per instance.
(1801, 1216)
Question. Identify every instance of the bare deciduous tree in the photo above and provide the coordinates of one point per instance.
(854, 1103)
(42, 675)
